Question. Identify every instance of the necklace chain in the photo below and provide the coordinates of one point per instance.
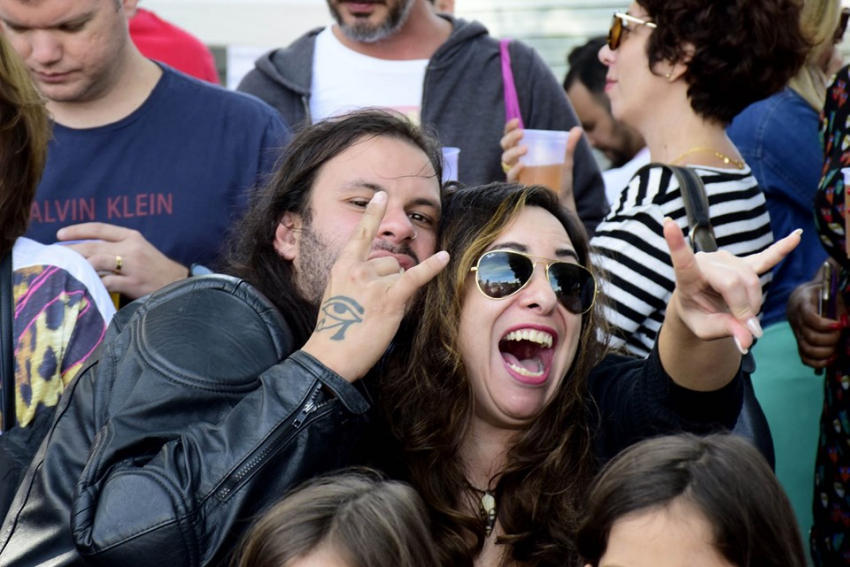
(727, 160)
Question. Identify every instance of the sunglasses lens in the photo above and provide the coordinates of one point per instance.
(502, 273)
(614, 33)
(573, 285)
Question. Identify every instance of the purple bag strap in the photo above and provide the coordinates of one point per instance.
(511, 100)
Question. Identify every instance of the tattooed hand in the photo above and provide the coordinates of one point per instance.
(365, 300)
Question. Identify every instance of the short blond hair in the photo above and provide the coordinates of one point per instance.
(818, 20)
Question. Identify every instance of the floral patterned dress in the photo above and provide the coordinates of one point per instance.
(830, 536)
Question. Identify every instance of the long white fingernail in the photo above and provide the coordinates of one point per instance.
(741, 349)
(798, 231)
(755, 327)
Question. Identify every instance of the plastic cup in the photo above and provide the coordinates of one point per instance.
(543, 163)
(450, 159)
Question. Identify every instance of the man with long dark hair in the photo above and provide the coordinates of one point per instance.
(211, 398)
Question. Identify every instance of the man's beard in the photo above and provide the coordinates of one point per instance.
(313, 265)
(616, 157)
(371, 33)
(316, 257)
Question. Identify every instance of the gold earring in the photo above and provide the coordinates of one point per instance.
(669, 75)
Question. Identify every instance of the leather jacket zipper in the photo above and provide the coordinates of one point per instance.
(309, 412)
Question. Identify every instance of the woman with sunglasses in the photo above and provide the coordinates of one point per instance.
(678, 72)
(506, 402)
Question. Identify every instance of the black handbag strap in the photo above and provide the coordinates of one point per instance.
(699, 223)
(7, 352)
(696, 207)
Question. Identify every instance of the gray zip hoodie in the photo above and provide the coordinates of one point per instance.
(462, 101)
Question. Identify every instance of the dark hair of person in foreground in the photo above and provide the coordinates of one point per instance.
(722, 476)
(363, 519)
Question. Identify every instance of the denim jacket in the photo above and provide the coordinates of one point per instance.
(778, 137)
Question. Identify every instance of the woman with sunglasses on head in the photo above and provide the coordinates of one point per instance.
(678, 72)
(505, 401)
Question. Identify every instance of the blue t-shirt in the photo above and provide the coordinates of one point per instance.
(778, 137)
(179, 169)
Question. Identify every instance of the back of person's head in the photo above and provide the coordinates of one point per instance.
(252, 253)
(818, 20)
(736, 52)
(722, 477)
(357, 517)
(24, 133)
(584, 66)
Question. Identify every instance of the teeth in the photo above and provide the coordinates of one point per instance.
(532, 335)
(524, 372)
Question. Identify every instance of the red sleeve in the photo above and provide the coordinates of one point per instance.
(165, 42)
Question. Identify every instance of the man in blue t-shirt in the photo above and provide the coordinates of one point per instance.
(148, 167)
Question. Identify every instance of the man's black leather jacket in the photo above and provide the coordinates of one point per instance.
(195, 416)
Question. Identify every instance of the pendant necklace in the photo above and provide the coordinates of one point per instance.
(486, 508)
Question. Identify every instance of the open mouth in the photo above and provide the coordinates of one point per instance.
(528, 354)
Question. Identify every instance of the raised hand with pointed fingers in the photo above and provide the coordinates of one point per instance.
(365, 300)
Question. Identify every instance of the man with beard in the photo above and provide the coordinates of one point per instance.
(216, 395)
(443, 71)
(147, 166)
(621, 144)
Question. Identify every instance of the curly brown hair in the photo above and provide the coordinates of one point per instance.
(737, 51)
(428, 401)
(24, 133)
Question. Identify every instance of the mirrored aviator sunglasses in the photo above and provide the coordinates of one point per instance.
(502, 273)
(621, 22)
